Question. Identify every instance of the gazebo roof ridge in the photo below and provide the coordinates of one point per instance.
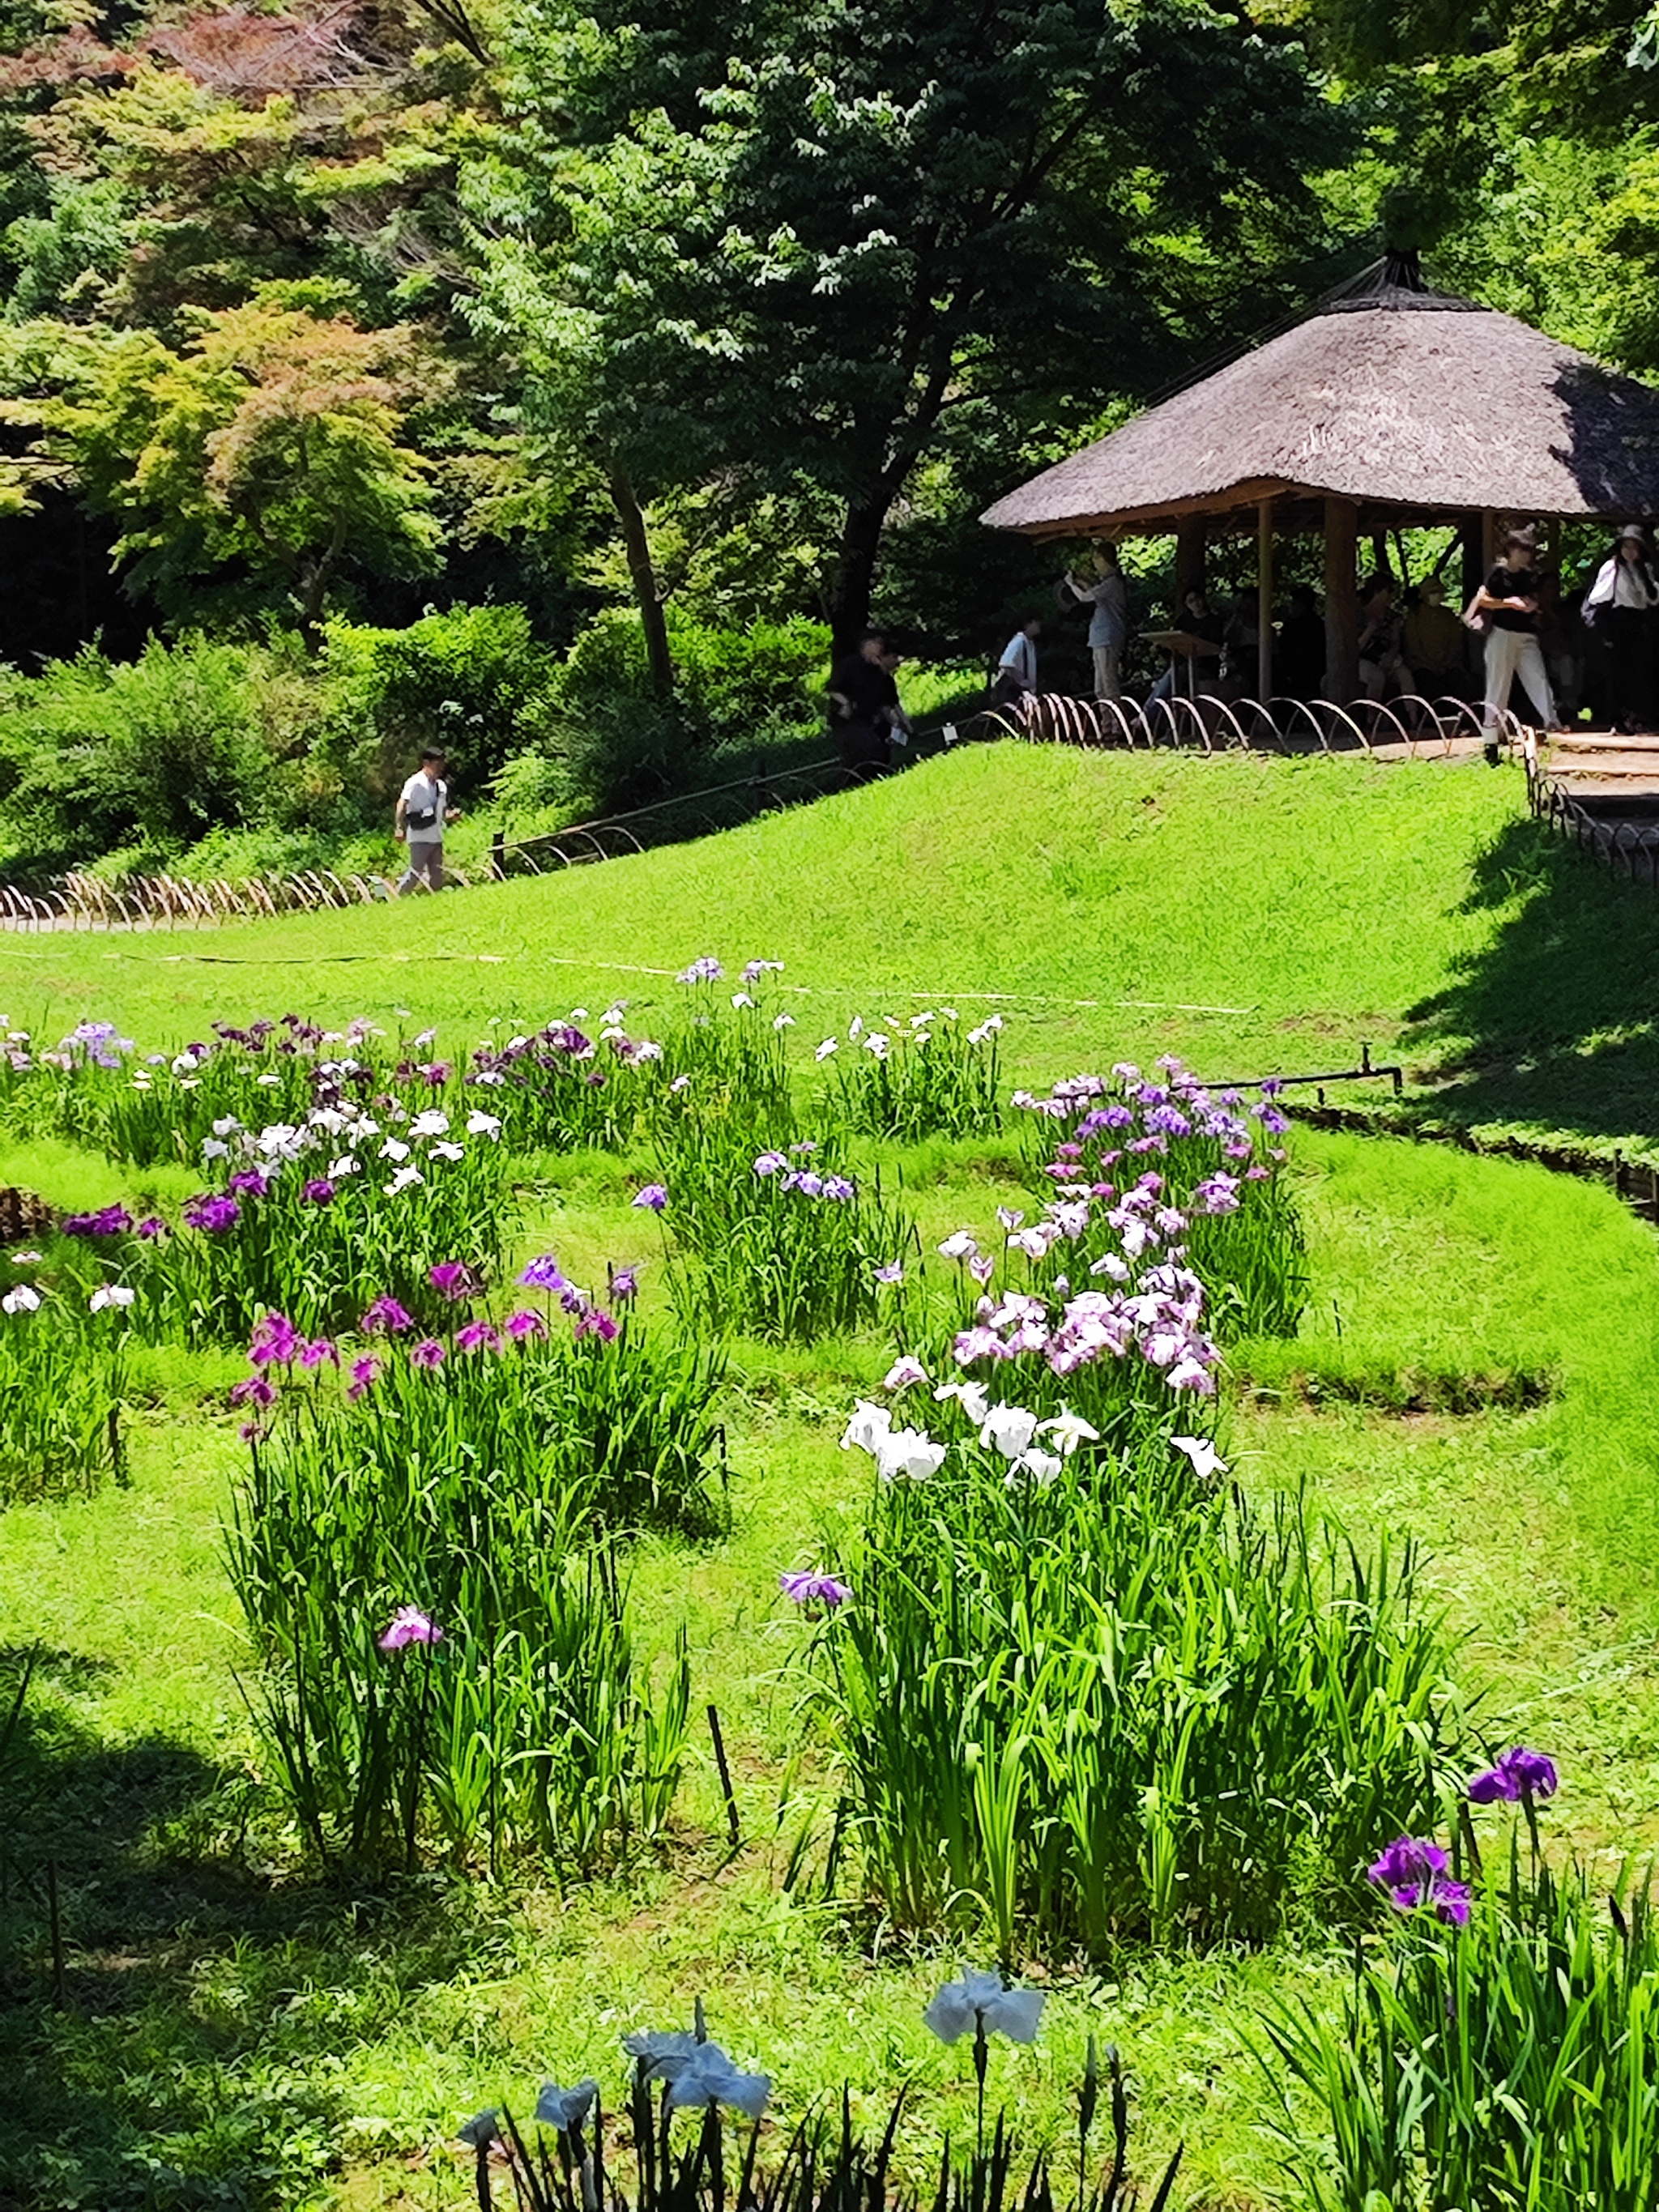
(1386, 394)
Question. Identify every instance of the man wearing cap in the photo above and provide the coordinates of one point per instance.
(423, 808)
(1509, 598)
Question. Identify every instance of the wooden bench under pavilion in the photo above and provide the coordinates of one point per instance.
(1390, 407)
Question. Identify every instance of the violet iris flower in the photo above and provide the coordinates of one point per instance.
(409, 1625)
(253, 1390)
(525, 1323)
(597, 1322)
(212, 1214)
(624, 1284)
(1413, 1873)
(108, 1221)
(814, 1589)
(428, 1354)
(542, 1275)
(365, 1373)
(151, 1227)
(1519, 1774)
(319, 1191)
(453, 1278)
(706, 970)
(477, 1336)
(771, 1164)
(388, 1314)
(654, 1196)
(248, 1182)
(274, 1341)
(838, 1188)
(314, 1353)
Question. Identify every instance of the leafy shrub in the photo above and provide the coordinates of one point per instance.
(465, 679)
(618, 744)
(96, 754)
(464, 1478)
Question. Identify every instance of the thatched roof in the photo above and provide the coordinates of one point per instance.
(1394, 398)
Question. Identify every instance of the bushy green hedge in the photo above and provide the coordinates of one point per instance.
(221, 749)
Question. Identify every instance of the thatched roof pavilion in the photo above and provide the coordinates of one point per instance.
(1390, 405)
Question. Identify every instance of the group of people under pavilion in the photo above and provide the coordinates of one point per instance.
(1521, 636)
(1392, 411)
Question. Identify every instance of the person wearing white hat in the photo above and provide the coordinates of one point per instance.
(1620, 604)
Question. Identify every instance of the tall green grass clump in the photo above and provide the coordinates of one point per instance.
(782, 1244)
(930, 1076)
(1500, 2048)
(63, 1376)
(1095, 1697)
(475, 1485)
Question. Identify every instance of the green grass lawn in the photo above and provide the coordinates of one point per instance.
(1261, 913)
(1479, 1368)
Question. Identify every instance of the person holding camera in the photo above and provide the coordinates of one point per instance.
(423, 808)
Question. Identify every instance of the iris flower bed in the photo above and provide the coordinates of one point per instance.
(63, 1376)
(424, 1549)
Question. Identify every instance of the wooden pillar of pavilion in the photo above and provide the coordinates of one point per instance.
(1189, 560)
(1341, 601)
(1264, 599)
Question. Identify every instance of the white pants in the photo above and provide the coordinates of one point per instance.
(426, 860)
(1108, 671)
(1509, 653)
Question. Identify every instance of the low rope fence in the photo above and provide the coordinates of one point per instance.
(1618, 841)
(1413, 726)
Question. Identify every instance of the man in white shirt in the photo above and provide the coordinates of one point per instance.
(423, 808)
(1016, 672)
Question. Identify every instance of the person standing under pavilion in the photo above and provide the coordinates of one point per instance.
(1508, 597)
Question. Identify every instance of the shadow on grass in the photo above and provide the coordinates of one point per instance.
(1555, 1024)
(189, 2054)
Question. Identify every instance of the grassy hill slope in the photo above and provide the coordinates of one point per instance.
(1250, 914)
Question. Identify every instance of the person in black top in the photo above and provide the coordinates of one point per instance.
(1509, 600)
(864, 701)
(1299, 656)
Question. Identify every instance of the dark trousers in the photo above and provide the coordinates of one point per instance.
(1630, 634)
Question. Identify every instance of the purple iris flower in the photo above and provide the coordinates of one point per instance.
(151, 1227)
(248, 1182)
(275, 1341)
(316, 1351)
(525, 1323)
(653, 1195)
(386, 1314)
(1414, 1873)
(542, 1275)
(624, 1284)
(428, 1354)
(838, 1188)
(810, 1589)
(810, 1184)
(706, 970)
(365, 1373)
(253, 1390)
(597, 1322)
(1519, 1774)
(409, 1625)
(453, 1278)
(478, 1336)
(108, 1221)
(212, 1214)
(771, 1164)
(319, 1191)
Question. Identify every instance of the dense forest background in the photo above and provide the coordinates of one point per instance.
(565, 381)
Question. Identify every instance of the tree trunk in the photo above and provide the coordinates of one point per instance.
(659, 660)
(849, 605)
